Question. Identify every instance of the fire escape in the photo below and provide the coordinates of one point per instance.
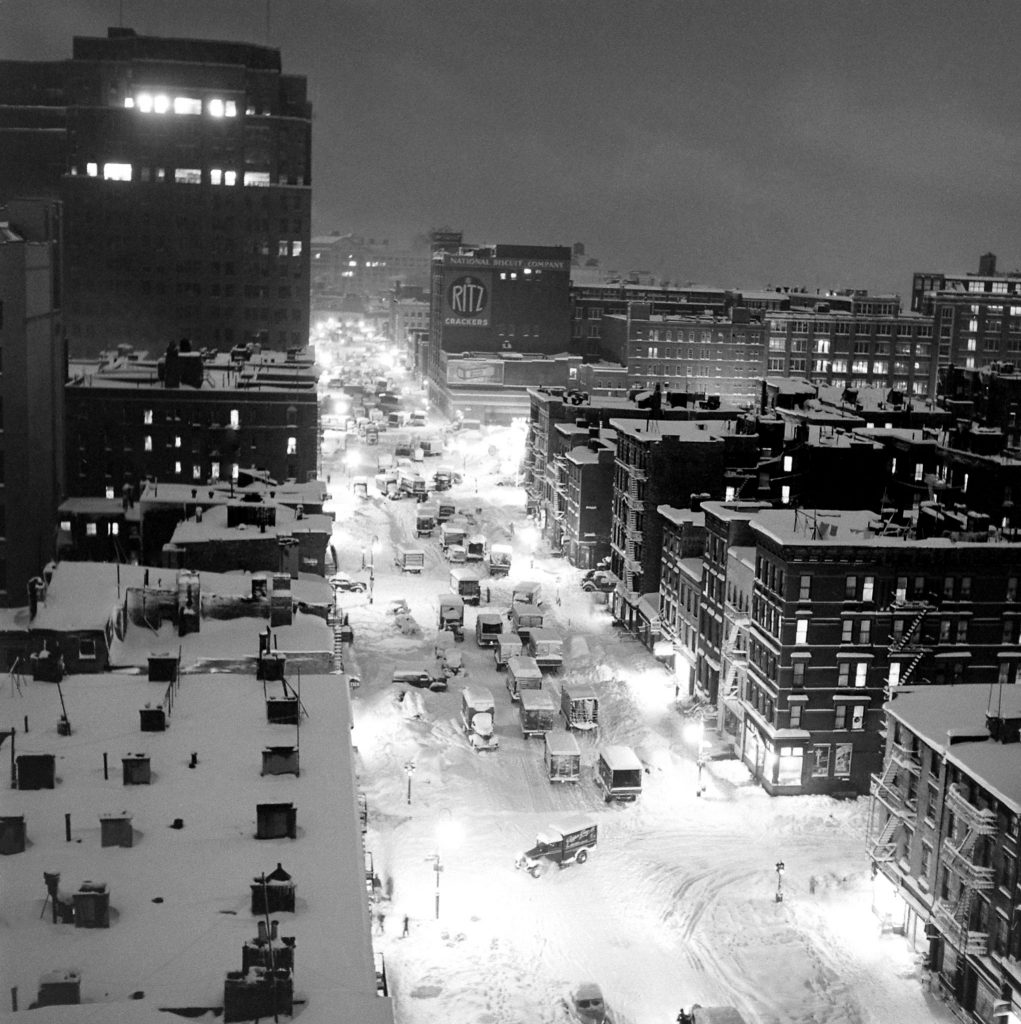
(558, 508)
(909, 642)
(953, 914)
(632, 509)
(734, 656)
(893, 809)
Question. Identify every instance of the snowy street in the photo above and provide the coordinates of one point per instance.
(678, 903)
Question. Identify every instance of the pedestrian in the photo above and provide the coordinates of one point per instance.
(404, 934)
(487, 595)
(381, 921)
(655, 406)
(512, 529)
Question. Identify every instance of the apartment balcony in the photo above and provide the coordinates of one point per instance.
(981, 822)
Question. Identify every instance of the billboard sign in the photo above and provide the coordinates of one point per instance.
(474, 371)
(467, 298)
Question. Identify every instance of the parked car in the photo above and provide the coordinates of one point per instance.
(560, 845)
(342, 582)
(598, 580)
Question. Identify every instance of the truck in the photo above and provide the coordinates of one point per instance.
(559, 844)
(415, 674)
(416, 418)
(524, 618)
(477, 714)
(538, 712)
(402, 445)
(455, 554)
(397, 419)
(413, 484)
(452, 531)
(547, 647)
(522, 674)
(442, 478)
(527, 592)
(409, 559)
(360, 486)
(425, 521)
(488, 628)
(499, 559)
(561, 756)
(508, 645)
(451, 615)
(579, 706)
(475, 547)
(465, 583)
(445, 510)
(619, 774)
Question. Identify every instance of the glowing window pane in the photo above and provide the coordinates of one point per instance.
(92, 169)
(215, 108)
(187, 105)
(230, 108)
(160, 104)
(145, 102)
(230, 177)
(215, 176)
(117, 172)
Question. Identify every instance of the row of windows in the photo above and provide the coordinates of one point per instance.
(118, 171)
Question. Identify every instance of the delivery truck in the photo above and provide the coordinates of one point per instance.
(561, 756)
(619, 774)
(409, 559)
(524, 618)
(527, 592)
(547, 647)
(452, 531)
(477, 714)
(499, 559)
(475, 547)
(579, 706)
(538, 712)
(522, 674)
(559, 844)
(465, 583)
(507, 646)
(488, 628)
(451, 615)
(425, 521)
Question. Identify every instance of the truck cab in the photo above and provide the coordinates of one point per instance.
(560, 845)
(488, 628)
(499, 559)
(477, 714)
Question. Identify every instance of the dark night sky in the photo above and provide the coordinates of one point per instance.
(797, 142)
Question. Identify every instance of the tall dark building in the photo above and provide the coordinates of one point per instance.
(34, 368)
(184, 166)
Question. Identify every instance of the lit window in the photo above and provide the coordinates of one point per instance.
(160, 104)
(788, 463)
(295, 248)
(109, 492)
(214, 470)
(117, 172)
(858, 716)
(65, 524)
(894, 677)
(235, 419)
(90, 529)
(92, 169)
(867, 588)
(730, 494)
(258, 178)
(177, 440)
(919, 469)
(801, 634)
(785, 494)
(283, 248)
(230, 177)
(187, 105)
(188, 175)
(215, 108)
(115, 528)
(147, 416)
(292, 446)
(177, 468)
(145, 102)
(215, 176)
(129, 102)
(234, 472)
(196, 472)
(147, 444)
(861, 673)
(230, 108)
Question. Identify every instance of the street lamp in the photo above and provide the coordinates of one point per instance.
(409, 767)
(700, 760)
(779, 881)
(448, 835)
(373, 548)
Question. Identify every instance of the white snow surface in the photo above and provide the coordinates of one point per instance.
(677, 903)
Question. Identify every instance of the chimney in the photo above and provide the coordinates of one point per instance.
(987, 263)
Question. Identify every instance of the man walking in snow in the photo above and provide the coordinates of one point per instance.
(404, 934)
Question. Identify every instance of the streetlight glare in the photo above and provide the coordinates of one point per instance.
(449, 834)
